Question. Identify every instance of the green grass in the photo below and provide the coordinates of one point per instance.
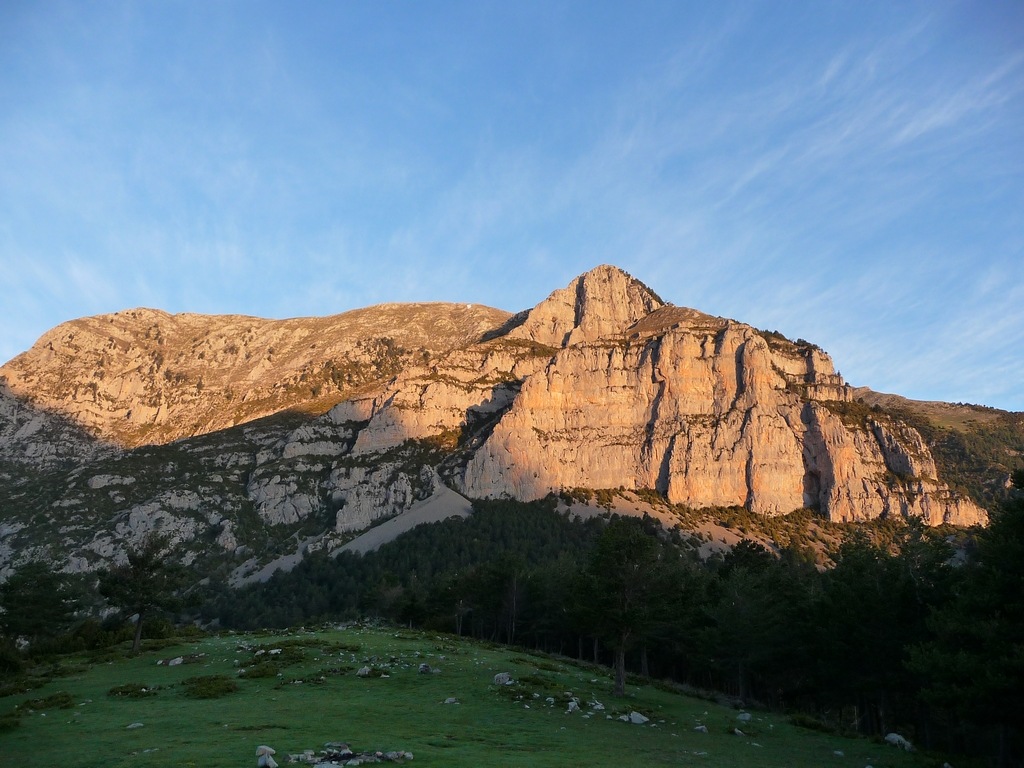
(402, 711)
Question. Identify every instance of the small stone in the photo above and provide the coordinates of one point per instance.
(743, 717)
(503, 678)
(175, 661)
(450, 700)
(424, 669)
(701, 728)
(839, 753)
(738, 732)
(637, 719)
(134, 725)
(363, 672)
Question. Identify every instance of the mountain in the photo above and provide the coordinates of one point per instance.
(250, 442)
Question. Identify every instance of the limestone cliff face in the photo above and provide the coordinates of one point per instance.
(708, 412)
(143, 377)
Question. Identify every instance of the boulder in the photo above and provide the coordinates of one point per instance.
(743, 717)
(265, 757)
(424, 669)
(898, 741)
(637, 719)
(503, 678)
(363, 672)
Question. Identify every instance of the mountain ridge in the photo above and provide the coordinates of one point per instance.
(338, 423)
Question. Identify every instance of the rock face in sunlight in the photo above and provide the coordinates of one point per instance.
(143, 376)
(241, 439)
(708, 412)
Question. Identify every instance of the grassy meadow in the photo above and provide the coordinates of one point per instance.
(401, 709)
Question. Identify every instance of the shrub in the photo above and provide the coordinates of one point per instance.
(11, 663)
(9, 721)
(58, 700)
(132, 691)
(539, 681)
(811, 723)
(263, 669)
(209, 686)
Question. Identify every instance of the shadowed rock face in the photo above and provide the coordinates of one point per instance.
(115, 426)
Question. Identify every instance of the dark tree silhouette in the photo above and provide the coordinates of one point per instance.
(975, 664)
(146, 583)
(624, 572)
(36, 603)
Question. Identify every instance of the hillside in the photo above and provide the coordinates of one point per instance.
(251, 442)
(319, 699)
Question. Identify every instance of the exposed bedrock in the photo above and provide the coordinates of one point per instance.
(708, 416)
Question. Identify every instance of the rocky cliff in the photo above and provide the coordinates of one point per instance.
(708, 412)
(143, 376)
(245, 440)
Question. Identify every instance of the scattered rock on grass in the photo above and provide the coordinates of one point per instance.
(134, 725)
(743, 717)
(634, 717)
(701, 728)
(424, 669)
(265, 757)
(503, 678)
(339, 753)
(451, 700)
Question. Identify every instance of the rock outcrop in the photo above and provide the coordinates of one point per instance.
(706, 411)
(602, 302)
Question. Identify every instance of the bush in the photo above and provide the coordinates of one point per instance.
(132, 691)
(263, 669)
(811, 723)
(209, 686)
(11, 663)
(58, 700)
(9, 721)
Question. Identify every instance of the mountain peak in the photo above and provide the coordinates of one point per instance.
(602, 302)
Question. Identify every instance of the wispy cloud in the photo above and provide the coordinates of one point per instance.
(858, 188)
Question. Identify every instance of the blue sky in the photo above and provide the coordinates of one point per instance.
(849, 173)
